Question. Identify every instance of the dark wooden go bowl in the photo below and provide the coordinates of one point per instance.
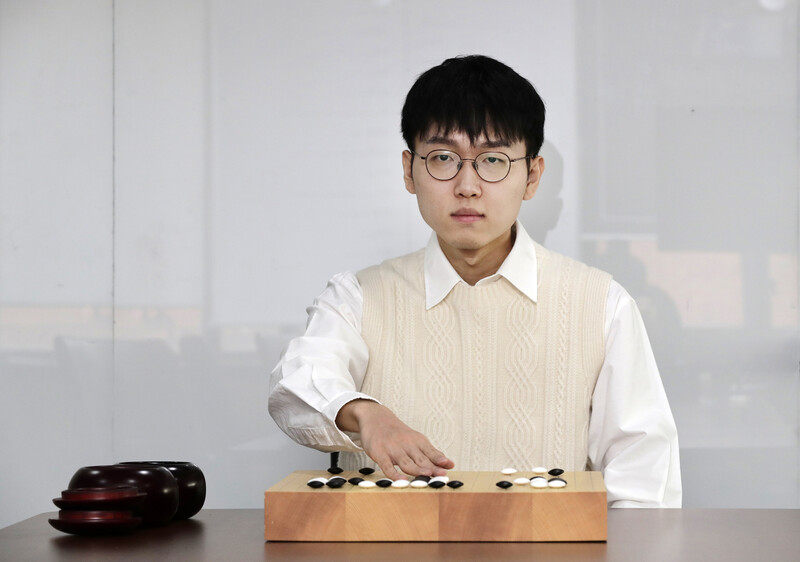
(191, 485)
(157, 482)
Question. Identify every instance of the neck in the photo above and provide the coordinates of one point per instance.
(474, 265)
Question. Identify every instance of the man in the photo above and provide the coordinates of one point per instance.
(484, 350)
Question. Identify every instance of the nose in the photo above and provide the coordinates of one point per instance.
(468, 182)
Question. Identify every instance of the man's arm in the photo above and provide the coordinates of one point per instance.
(314, 390)
(322, 370)
(632, 435)
(390, 442)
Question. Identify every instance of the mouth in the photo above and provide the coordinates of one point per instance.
(467, 215)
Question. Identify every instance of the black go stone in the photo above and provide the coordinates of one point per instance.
(504, 484)
(316, 483)
(455, 484)
(436, 484)
(335, 470)
(355, 480)
(336, 482)
(423, 478)
(383, 483)
(555, 471)
(366, 470)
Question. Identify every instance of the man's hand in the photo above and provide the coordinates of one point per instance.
(390, 442)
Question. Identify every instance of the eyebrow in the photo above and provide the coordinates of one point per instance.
(498, 143)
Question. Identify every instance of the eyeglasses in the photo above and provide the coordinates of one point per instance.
(444, 165)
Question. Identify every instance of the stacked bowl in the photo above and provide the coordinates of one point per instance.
(98, 511)
(114, 499)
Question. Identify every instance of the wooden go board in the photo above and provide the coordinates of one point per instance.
(477, 511)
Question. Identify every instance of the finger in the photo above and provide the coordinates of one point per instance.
(438, 458)
(387, 467)
(445, 463)
(425, 464)
(409, 466)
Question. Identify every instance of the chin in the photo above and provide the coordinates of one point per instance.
(465, 245)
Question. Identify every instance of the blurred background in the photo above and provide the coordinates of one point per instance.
(179, 179)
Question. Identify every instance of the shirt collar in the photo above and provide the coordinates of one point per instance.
(519, 269)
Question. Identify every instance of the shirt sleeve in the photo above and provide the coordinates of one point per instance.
(632, 435)
(323, 369)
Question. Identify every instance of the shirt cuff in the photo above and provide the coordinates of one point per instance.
(332, 410)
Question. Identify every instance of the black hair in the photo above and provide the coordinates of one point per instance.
(477, 95)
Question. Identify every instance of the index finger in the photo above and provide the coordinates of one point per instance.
(440, 461)
(387, 467)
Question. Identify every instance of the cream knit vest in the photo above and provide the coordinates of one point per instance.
(490, 377)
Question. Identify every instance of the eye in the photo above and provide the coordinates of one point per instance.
(493, 159)
(443, 158)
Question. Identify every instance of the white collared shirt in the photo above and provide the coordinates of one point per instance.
(632, 435)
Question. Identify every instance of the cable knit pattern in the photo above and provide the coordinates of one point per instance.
(440, 383)
(519, 401)
(560, 374)
(490, 377)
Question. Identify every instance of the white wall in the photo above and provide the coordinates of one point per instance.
(177, 184)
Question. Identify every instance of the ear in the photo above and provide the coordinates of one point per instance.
(534, 176)
(408, 177)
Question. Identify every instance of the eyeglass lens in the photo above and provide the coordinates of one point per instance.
(444, 165)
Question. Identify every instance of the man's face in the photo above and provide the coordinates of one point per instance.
(472, 217)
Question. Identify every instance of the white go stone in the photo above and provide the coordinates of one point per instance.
(556, 483)
(400, 484)
(539, 470)
(320, 479)
(419, 484)
(509, 470)
(521, 480)
(444, 479)
(366, 484)
(539, 482)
